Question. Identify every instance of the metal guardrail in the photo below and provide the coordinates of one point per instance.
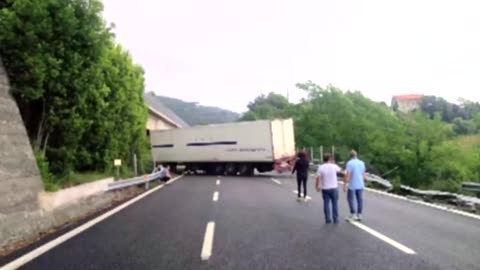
(379, 180)
(471, 186)
(135, 181)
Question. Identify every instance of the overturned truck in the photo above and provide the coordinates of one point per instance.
(231, 149)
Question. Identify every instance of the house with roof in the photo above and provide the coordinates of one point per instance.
(159, 116)
(406, 103)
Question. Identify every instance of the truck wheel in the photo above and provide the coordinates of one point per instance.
(219, 169)
(173, 168)
(246, 170)
(231, 169)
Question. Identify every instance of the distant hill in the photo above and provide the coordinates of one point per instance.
(195, 114)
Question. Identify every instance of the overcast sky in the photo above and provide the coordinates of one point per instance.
(225, 53)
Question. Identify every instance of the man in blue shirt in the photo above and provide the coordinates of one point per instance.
(355, 180)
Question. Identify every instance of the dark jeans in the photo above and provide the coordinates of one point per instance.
(330, 195)
(302, 180)
(358, 193)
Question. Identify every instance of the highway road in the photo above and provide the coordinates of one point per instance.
(256, 223)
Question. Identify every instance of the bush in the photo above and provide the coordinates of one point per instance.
(47, 177)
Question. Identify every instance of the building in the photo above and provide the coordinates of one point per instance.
(159, 116)
(406, 103)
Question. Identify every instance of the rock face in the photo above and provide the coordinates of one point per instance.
(20, 180)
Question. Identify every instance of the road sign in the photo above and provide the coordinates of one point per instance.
(117, 162)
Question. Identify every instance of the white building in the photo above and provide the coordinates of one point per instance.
(159, 116)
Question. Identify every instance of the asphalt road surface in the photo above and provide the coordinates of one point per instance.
(259, 225)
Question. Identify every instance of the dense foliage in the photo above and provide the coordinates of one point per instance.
(80, 94)
(417, 149)
(465, 116)
(195, 114)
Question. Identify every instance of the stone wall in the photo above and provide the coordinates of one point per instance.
(20, 180)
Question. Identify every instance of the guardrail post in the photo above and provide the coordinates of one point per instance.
(147, 186)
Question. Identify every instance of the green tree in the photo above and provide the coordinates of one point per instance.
(267, 107)
(80, 95)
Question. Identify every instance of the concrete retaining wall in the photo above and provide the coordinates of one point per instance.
(50, 201)
(20, 180)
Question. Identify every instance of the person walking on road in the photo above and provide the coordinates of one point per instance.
(301, 167)
(327, 182)
(355, 181)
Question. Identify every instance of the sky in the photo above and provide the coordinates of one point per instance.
(225, 53)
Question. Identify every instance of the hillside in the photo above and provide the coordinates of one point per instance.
(195, 114)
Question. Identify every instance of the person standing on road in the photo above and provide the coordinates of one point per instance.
(355, 181)
(327, 182)
(301, 167)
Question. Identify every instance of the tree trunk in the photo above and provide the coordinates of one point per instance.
(45, 143)
(40, 131)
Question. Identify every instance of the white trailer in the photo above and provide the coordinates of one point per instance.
(226, 148)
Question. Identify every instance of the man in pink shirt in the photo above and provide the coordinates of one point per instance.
(327, 182)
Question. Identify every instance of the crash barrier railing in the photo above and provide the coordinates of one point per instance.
(470, 186)
(135, 181)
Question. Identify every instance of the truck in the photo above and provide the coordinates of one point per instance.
(226, 149)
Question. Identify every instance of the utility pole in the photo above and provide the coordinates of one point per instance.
(135, 164)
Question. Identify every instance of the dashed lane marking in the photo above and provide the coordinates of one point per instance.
(208, 241)
(276, 181)
(383, 237)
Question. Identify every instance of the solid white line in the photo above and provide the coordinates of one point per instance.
(218, 182)
(296, 192)
(383, 237)
(208, 241)
(169, 182)
(276, 181)
(57, 241)
(215, 196)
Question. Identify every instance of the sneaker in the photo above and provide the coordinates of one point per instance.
(351, 217)
(358, 217)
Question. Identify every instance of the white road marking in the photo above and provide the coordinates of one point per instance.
(169, 182)
(296, 192)
(383, 237)
(276, 181)
(208, 241)
(61, 239)
(439, 207)
(215, 196)
(218, 182)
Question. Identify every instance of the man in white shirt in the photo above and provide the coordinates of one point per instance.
(327, 181)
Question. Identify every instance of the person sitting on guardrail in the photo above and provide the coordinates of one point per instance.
(165, 173)
(355, 181)
(327, 182)
(301, 167)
